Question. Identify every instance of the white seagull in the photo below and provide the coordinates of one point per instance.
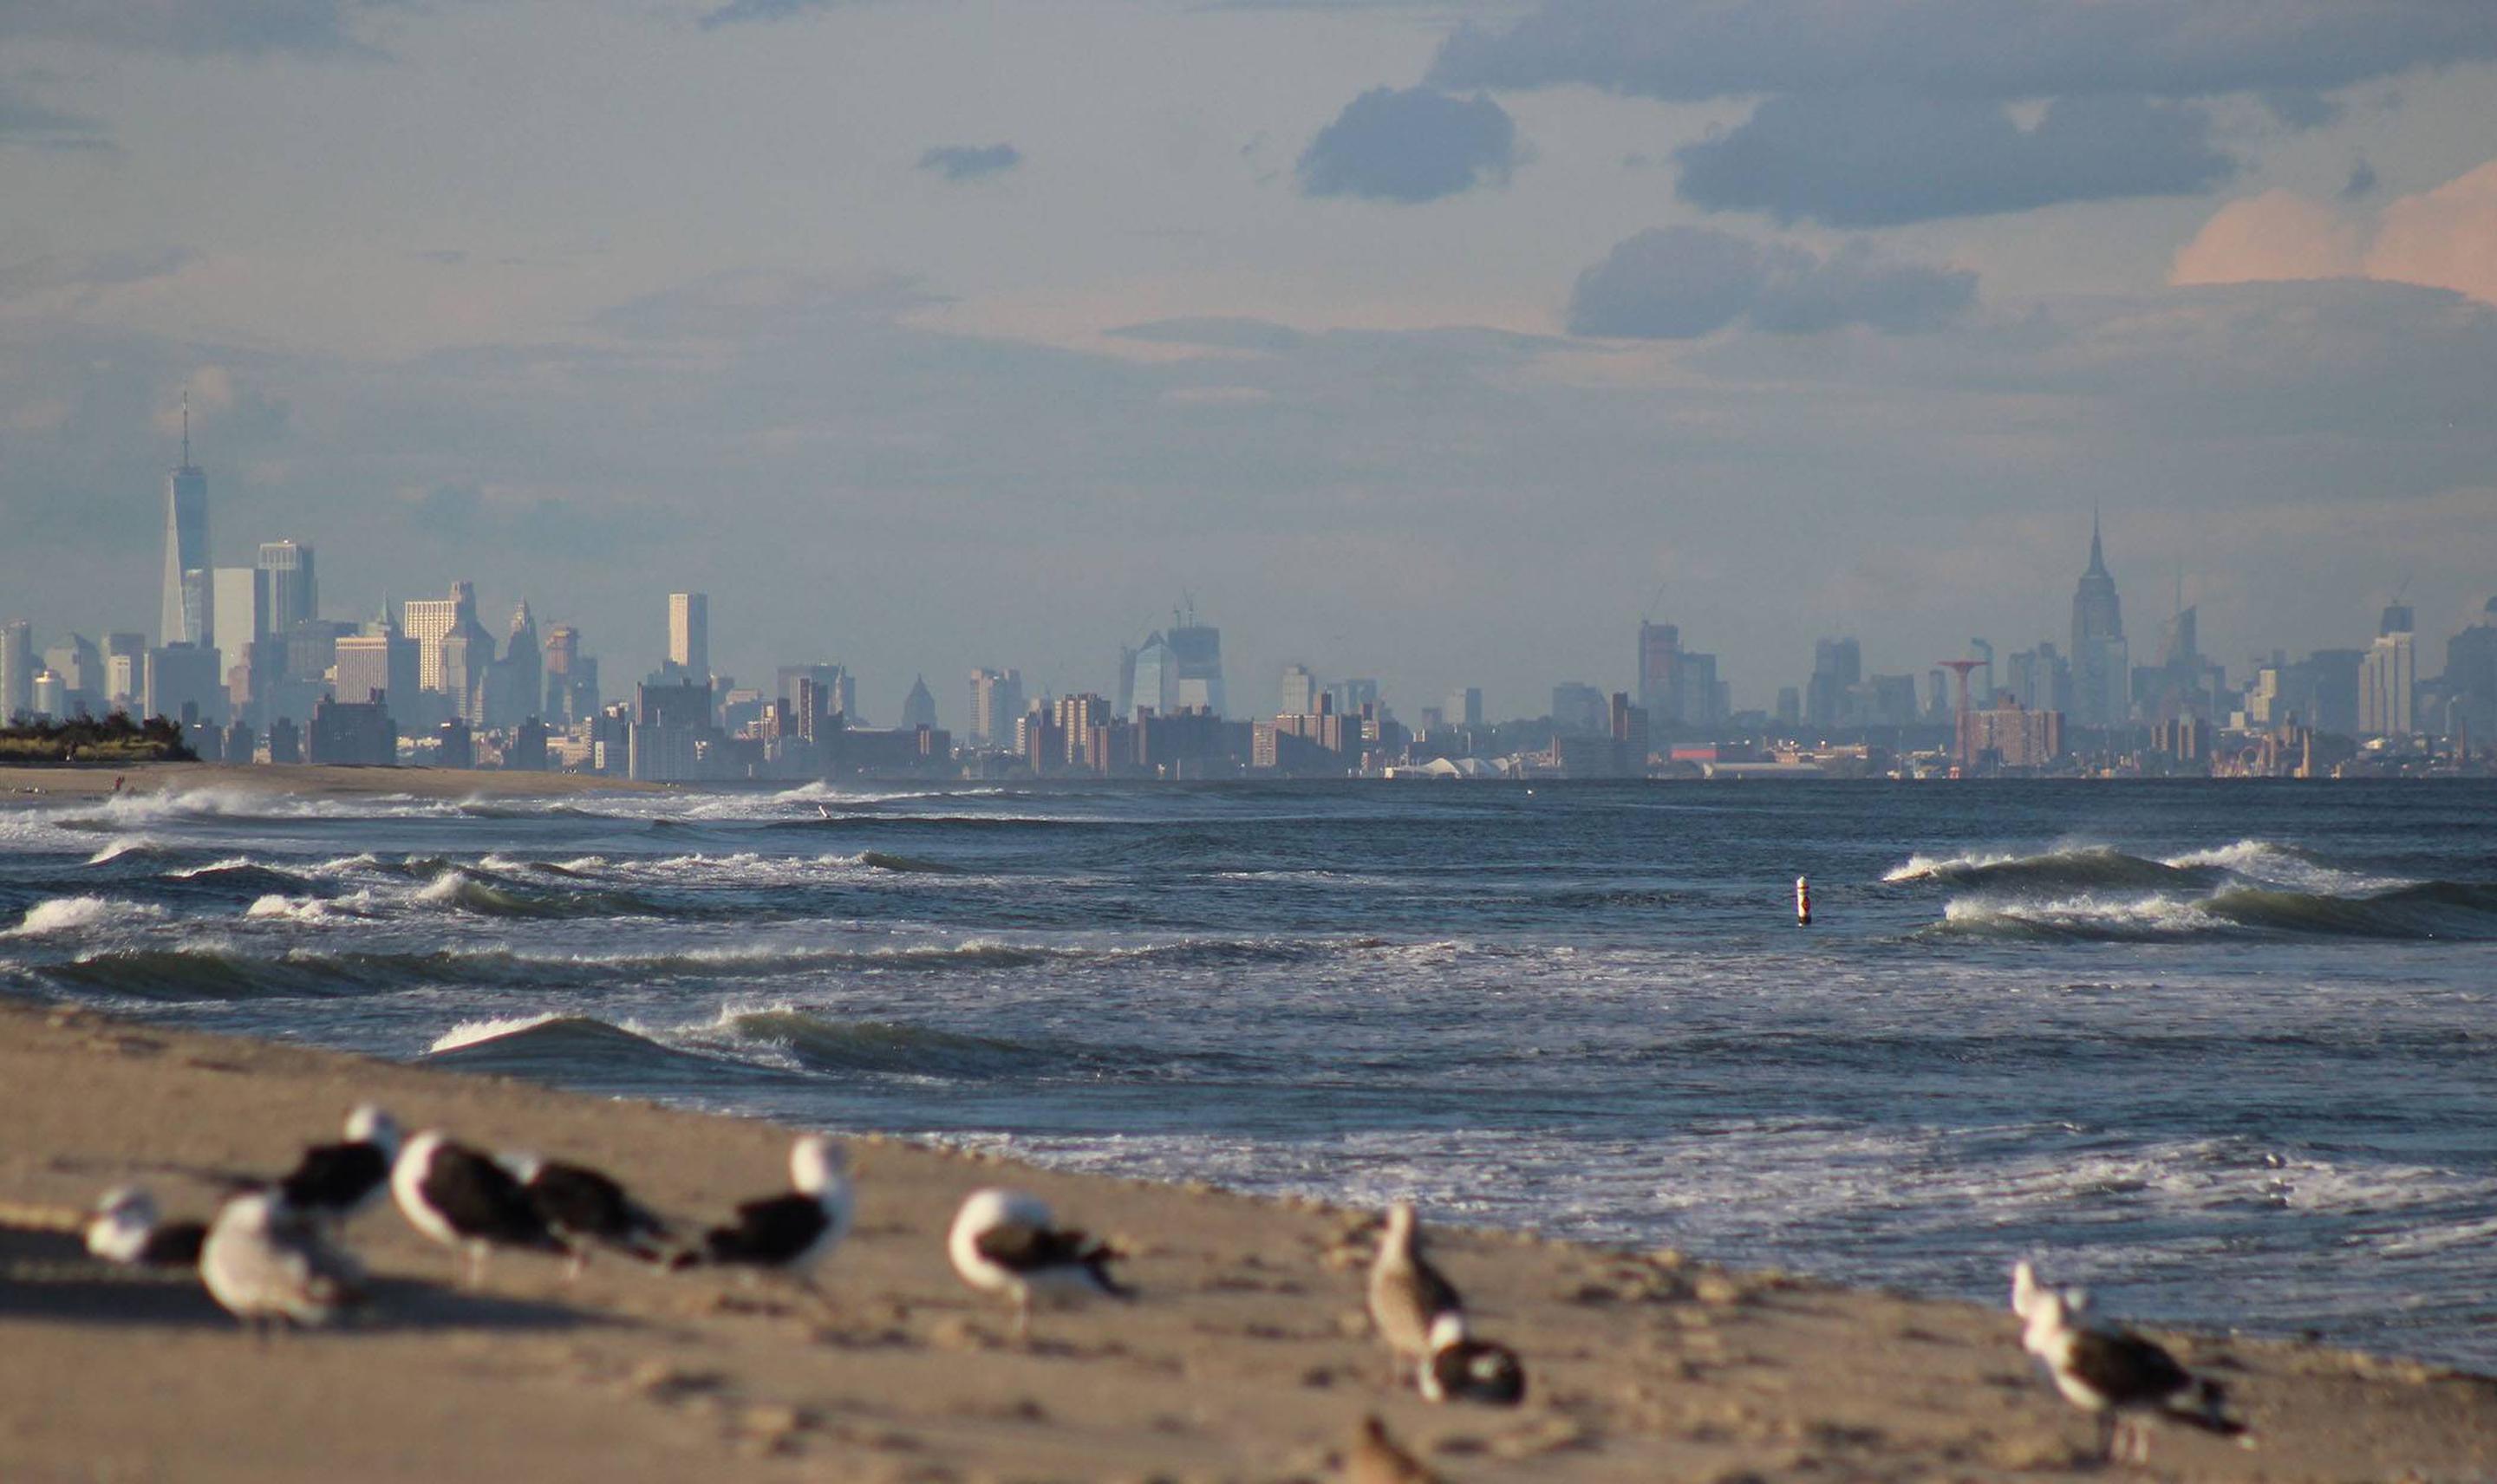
(790, 1232)
(2025, 1289)
(1464, 1368)
(267, 1263)
(127, 1230)
(463, 1199)
(1005, 1242)
(336, 1182)
(1407, 1296)
(2122, 1379)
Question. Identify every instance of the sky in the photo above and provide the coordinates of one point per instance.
(1435, 343)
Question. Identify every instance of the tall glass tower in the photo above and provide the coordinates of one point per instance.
(187, 616)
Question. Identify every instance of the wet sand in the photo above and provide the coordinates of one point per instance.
(1246, 1356)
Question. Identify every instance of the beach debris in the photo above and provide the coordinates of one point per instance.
(128, 1230)
(791, 1232)
(265, 1262)
(1376, 1459)
(2122, 1379)
(337, 1182)
(1407, 1296)
(585, 1208)
(1007, 1242)
(1464, 1368)
(462, 1199)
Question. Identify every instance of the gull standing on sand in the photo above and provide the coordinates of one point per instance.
(1005, 1242)
(265, 1262)
(1469, 1370)
(790, 1232)
(462, 1199)
(1407, 1296)
(127, 1230)
(582, 1206)
(2122, 1379)
(337, 1182)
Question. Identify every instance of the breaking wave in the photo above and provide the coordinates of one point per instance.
(71, 914)
(558, 1047)
(2081, 865)
(824, 1045)
(2422, 910)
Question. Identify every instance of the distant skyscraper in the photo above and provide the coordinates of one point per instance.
(235, 609)
(1149, 679)
(1659, 671)
(1300, 696)
(996, 705)
(288, 592)
(690, 632)
(1836, 669)
(918, 707)
(2102, 663)
(2388, 678)
(1198, 650)
(16, 668)
(1578, 709)
(1983, 652)
(1464, 708)
(185, 616)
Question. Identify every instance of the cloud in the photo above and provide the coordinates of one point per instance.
(1413, 144)
(36, 127)
(970, 162)
(2276, 235)
(1864, 158)
(739, 12)
(1995, 49)
(1678, 283)
(2362, 181)
(1214, 332)
(2443, 239)
(198, 28)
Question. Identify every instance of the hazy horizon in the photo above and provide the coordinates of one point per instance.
(1435, 343)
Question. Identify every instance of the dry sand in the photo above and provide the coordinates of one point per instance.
(304, 780)
(1245, 1358)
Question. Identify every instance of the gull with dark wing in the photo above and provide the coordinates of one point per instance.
(2122, 1379)
(1007, 1242)
(334, 1182)
(584, 1208)
(1407, 1296)
(462, 1199)
(1464, 1368)
(127, 1230)
(791, 1232)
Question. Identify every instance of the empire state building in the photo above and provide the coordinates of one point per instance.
(2102, 663)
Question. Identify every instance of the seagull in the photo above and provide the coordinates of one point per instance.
(1469, 1370)
(582, 1207)
(462, 1199)
(2122, 1379)
(265, 1261)
(1005, 1242)
(336, 1182)
(127, 1230)
(1376, 1459)
(792, 1232)
(2025, 1289)
(1407, 1296)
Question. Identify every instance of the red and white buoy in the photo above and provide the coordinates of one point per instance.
(1803, 903)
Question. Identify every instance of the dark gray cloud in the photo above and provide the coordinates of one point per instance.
(735, 11)
(198, 27)
(1678, 283)
(2362, 179)
(1867, 158)
(1410, 145)
(970, 162)
(34, 126)
(2300, 108)
(1999, 50)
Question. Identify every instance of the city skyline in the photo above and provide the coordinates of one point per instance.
(1266, 314)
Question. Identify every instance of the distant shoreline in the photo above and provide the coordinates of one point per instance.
(88, 780)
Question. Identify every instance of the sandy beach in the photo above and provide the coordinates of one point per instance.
(1246, 1356)
(306, 780)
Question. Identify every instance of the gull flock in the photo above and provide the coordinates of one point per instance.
(273, 1256)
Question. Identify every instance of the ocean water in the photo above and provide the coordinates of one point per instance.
(2225, 1051)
